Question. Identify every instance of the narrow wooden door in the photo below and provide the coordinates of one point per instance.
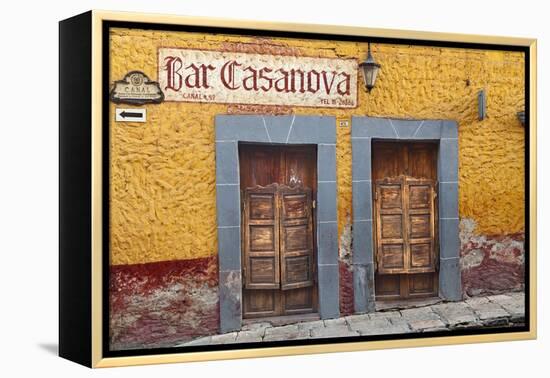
(296, 237)
(278, 186)
(405, 219)
(261, 263)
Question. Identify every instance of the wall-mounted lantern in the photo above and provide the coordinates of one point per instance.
(370, 70)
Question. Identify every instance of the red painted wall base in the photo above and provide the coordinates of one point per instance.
(493, 264)
(164, 303)
(346, 289)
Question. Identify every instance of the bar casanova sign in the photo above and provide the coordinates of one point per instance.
(239, 78)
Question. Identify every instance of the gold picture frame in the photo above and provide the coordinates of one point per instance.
(88, 232)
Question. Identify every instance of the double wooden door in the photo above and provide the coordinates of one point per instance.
(405, 220)
(278, 189)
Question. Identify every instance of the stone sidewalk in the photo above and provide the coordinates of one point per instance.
(479, 312)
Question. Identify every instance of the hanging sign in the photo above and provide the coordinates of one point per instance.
(240, 78)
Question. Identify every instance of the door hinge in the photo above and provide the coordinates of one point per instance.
(313, 204)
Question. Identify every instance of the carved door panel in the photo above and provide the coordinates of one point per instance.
(405, 219)
(420, 197)
(261, 238)
(405, 225)
(296, 235)
(278, 186)
(390, 230)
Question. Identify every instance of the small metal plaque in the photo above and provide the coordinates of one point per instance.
(136, 88)
(343, 122)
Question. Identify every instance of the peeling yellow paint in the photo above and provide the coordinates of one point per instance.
(163, 171)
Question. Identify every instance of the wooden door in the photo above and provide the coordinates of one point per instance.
(405, 219)
(261, 265)
(278, 185)
(296, 237)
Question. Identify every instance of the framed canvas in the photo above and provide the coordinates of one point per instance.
(235, 189)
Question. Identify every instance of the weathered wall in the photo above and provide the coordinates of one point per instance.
(490, 263)
(162, 303)
(163, 171)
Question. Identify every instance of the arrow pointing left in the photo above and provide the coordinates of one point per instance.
(130, 115)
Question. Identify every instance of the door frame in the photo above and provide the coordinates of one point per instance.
(445, 132)
(288, 130)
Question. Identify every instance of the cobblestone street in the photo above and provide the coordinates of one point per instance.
(488, 311)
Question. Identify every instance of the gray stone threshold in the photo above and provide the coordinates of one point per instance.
(402, 305)
(503, 310)
(277, 321)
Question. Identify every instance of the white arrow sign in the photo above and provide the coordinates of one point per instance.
(130, 115)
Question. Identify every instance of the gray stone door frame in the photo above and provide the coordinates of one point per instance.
(293, 129)
(366, 129)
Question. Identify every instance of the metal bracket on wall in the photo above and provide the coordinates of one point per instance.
(482, 105)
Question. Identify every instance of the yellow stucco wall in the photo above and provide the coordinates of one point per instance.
(163, 171)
